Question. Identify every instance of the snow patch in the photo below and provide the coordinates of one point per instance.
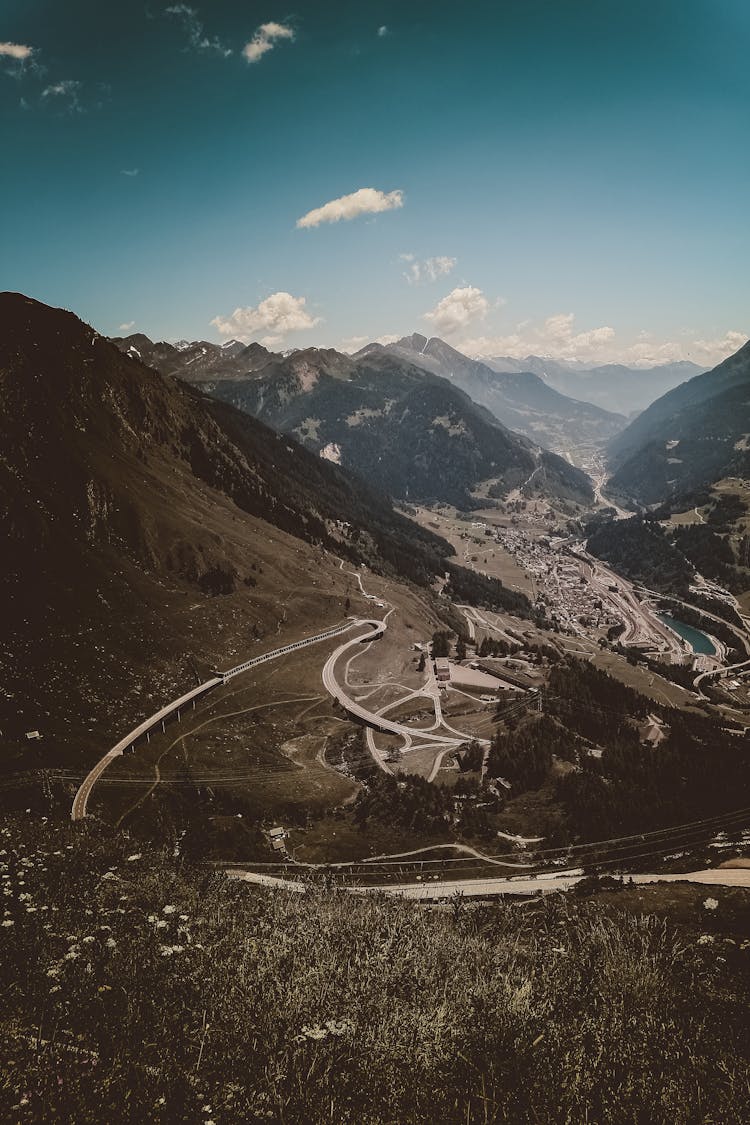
(331, 452)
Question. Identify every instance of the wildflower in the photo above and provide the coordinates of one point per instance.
(134, 857)
(152, 917)
(111, 943)
(711, 904)
(184, 918)
(706, 939)
(169, 910)
(109, 875)
(71, 955)
(161, 924)
(89, 938)
(8, 922)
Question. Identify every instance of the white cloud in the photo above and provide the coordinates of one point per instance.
(713, 351)
(567, 344)
(458, 310)
(382, 31)
(127, 326)
(69, 93)
(428, 270)
(130, 172)
(265, 39)
(556, 339)
(197, 38)
(365, 201)
(275, 317)
(16, 51)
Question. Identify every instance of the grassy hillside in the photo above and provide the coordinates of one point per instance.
(137, 989)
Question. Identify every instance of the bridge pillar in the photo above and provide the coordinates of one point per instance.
(148, 736)
(163, 727)
(178, 715)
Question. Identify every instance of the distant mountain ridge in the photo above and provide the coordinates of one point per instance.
(613, 386)
(410, 433)
(688, 439)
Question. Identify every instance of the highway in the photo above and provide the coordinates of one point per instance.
(491, 886)
(80, 801)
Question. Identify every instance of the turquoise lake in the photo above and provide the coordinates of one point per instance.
(698, 641)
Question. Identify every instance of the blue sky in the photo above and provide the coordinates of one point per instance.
(564, 177)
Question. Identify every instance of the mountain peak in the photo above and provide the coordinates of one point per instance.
(414, 343)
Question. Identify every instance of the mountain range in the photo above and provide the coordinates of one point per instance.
(612, 386)
(132, 507)
(409, 432)
(519, 399)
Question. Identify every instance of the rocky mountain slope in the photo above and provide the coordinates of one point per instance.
(150, 532)
(409, 433)
(612, 386)
(520, 399)
(688, 439)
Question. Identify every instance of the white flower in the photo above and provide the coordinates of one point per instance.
(88, 939)
(111, 943)
(109, 875)
(161, 924)
(152, 917)
(711, 904)
(706, 939)
(169, 910)
(8, 922)
(133, 858)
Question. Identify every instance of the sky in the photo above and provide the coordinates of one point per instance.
(565, 178)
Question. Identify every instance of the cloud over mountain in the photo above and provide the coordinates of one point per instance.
(365, 201)
(460, 308)
(275, 316)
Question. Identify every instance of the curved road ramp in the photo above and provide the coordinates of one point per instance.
(80, 801)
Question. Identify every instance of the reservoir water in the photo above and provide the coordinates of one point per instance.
(698, 641)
